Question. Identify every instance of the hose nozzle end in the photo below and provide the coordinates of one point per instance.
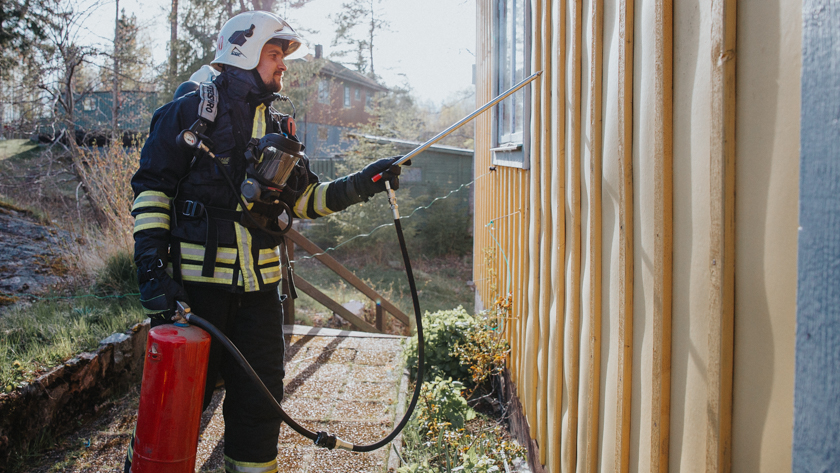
(330, 441)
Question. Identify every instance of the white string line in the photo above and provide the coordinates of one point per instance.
(391, 224)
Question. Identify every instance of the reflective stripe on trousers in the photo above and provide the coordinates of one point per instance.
(232, 465)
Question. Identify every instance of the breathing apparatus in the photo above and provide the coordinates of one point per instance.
(270, 160)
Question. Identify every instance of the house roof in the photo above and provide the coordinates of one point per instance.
(410, 145)
(334, 69)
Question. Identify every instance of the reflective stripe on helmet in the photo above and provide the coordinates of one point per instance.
(234, 466)
(151, 199)
(149, 220)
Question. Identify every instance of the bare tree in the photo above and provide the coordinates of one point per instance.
(357, 25)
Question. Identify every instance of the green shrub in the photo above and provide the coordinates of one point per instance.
(443, 331)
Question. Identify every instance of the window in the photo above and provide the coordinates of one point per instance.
(89, 104)
(368, 100)
(358, 93)
(323, 133)
(511, 26)
(346, 96)
(324, 91)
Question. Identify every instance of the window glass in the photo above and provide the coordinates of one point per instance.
(511, 69)
(324, 91)
(346, 96)
(358, 93)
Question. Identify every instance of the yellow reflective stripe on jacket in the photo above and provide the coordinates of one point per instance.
(149, 220)
(234, 466)
(321, 200)
(246, 261)
(195, 252)
(151, 199)
(258, 130)
(303, 201)
(269, 255)
(192, 272)
(271, 274)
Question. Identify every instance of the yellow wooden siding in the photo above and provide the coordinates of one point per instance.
(618, 245)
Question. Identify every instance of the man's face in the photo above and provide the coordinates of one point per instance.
(271, 67)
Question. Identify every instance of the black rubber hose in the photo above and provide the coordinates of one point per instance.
(323, 439)
(240, 359)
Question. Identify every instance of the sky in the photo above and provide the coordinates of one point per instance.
(429, 45)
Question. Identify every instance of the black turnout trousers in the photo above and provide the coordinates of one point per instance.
(254, 323)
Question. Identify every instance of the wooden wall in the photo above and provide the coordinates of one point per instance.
(650, 248)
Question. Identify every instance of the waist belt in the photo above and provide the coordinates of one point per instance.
(195, 209)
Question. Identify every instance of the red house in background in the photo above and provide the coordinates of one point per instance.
(341, 103)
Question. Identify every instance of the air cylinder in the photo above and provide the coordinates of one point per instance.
(171, 398)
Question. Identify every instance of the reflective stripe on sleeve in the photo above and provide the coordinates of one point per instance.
(149, 220)
(303, 201)
(193, 252)
(234, 466)
(151, 199)
(321, 200)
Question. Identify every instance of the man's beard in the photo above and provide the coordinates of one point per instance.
(276, 85)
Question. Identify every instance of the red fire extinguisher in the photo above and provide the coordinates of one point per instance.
(171, 398)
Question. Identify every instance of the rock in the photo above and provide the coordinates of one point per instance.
(115, 338)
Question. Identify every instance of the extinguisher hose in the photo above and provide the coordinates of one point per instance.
(324, 439)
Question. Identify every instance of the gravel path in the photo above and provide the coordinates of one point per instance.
(348, 383)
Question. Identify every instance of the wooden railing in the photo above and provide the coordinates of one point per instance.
(382, 305)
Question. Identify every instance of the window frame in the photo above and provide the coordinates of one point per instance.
(511, 151)
(347, 100)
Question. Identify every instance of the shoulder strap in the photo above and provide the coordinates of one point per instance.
(209, 101)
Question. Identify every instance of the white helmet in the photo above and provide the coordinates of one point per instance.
(242, 38)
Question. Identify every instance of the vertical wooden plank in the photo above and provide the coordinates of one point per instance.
(557, 106)
(530, 387)
(593, 397)
(573, 184)
(816, 410)
(625, 255)
(663, 239)
(722, 241)
(545, 396)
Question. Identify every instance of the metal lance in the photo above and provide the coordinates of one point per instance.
(462, 122)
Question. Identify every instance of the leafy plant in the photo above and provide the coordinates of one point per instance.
(444, 330)
(445, 434)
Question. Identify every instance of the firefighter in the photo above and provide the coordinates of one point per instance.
(193, 242)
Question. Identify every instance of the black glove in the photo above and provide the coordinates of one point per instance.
(363, 181)
(158, 292)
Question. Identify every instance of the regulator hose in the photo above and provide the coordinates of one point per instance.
(324, 439)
